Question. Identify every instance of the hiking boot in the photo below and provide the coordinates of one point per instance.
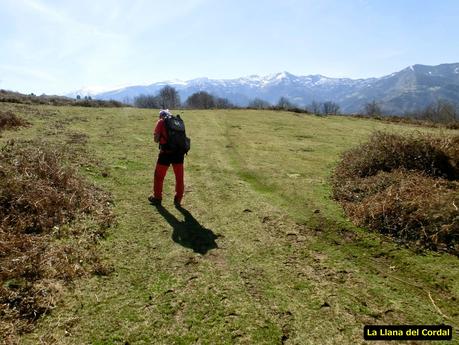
(177, 203)
(153, 200)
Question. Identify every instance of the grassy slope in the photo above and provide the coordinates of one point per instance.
(282, 272)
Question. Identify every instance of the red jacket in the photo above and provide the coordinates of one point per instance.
(161, 131)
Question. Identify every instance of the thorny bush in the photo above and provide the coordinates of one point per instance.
(403, 186)
(44, 206)
(10, 120)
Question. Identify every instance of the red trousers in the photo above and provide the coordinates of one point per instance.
(160, 173)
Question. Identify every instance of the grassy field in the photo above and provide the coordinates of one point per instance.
(260, 254)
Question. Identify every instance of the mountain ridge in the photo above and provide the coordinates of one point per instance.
(409, 89)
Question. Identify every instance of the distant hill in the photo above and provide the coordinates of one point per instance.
(16, 97)
(407, 90)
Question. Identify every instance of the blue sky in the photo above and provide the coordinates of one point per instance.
(59, 46)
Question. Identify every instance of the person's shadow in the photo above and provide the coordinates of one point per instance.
(189, 233)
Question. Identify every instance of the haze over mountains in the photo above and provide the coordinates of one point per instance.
(407, 90)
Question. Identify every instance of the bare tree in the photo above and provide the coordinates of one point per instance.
(284, 103)
(315, 107)
(440, 111)
(168, 98)
(201, 100)
(372, 109)
(147, 101)
(330, 108)
(223, 103)
(259, 103)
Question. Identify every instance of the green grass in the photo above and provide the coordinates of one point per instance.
(289, 266)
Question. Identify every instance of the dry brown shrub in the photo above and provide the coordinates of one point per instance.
(387, 152)
(10, 120)
(406, 187)
(38, 192)
(41, 200)
(454, 124)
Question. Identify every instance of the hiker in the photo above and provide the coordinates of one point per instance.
(172, 151)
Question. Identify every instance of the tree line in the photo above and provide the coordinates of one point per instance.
(169, 98)
(318, 108)
(439, 111)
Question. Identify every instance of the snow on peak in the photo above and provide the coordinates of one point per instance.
(254, 78)
(282, 75)
(257, 80)
(89, 91)
(175, 82)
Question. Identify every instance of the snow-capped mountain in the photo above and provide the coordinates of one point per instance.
(92, 91)
(409, 89)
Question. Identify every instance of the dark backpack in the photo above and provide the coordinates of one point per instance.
(177, 141)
